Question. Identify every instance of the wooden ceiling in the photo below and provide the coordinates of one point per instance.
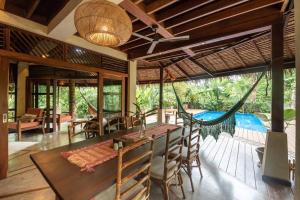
(225, 35)
(41, 11)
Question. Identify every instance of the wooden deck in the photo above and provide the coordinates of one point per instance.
(229, 167)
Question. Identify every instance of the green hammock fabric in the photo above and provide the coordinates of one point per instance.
(224, 123)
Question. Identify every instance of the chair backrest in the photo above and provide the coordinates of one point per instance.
(173, 144)
(137, 166)
(193, 143)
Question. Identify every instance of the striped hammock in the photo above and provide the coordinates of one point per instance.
(224, 123)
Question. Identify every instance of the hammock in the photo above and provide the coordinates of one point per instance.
(91, 109)
(224, 123)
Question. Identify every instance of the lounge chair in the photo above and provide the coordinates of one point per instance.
(37, 122)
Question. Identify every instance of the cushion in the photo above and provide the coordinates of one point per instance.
(157, 168)
(35, 111)
(13, 125)
(28, 117)
(65, 118)
(109, 194)
(184, 152)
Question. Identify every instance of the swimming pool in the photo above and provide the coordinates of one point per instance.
(243, 120)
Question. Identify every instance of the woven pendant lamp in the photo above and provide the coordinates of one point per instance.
(103, 23)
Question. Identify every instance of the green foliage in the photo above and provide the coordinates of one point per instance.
(289, 114)
(219, 94)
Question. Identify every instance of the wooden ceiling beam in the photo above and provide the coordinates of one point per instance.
(247, 24)
(182, 70)
(223, 60)
(158, 5)
(197, 63)
(201, 12)
(225, 14)
(137, 1)
(32, 8)
(2, 4)
(181, 7)
(223, 73)
(259, 52)
(140, 13)
(239, 57)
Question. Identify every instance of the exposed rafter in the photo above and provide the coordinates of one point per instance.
(239, 57)
(182, 7)
(259, 52)
(240, 9)
(157, 5)
(197, 63)
(249, 23)
(182, 70)
(198, 13)
(2, 4)
(140, 13)
(32, 8)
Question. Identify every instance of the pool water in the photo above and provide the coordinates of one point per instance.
(243, 120)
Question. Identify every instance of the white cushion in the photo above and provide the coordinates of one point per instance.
(110, 193)
(157, 167)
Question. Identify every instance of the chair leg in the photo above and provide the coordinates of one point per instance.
(181, 184)
(199, 165)
(189, 171)
(166, 191)
(19, 136)
(43, 129)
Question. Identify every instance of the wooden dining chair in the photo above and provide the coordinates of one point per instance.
(133, 174)
(166, 169)
(190, 153)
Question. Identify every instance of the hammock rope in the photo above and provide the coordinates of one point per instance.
(224, 123)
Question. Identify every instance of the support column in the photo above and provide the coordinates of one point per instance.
(161, 88)
(297, 37)
(131, 98)
(4, 74)
(72, 103)
(277, 78)
(54, 118)
(275, 162)
(48, 105)
(123, 93)
(100, 103)
(23, 73)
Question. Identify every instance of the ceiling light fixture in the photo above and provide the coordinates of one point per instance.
(103, 23)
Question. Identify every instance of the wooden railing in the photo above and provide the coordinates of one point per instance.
(20, 41)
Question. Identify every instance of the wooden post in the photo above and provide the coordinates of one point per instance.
(297, 37)
(72, 102)
(100, 103)
(277, 77)
(123, 93)
(29, 90)
(54, 118)
(275, 161)
(4, 70)
(48, 105)
(161, 85)
(36, 96)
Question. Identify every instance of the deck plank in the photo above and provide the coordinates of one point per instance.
(250, 174)
(231, 169)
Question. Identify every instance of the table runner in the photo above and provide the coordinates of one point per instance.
(90, 156)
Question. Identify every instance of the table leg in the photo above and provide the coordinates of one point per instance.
(69, 133)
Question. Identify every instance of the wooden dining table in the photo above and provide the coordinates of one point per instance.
(66, 179)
